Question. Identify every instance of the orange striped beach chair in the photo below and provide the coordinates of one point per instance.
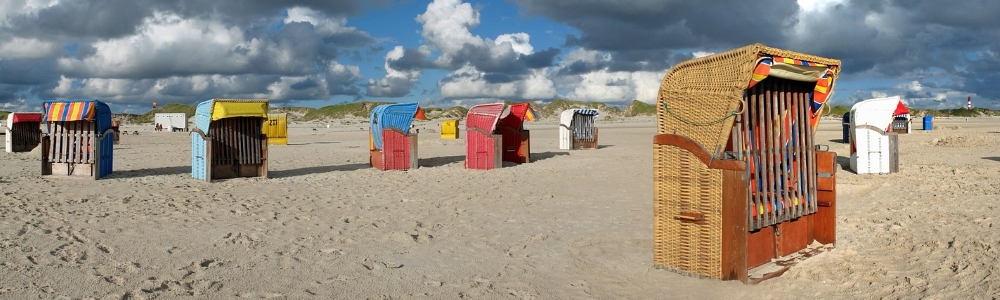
(79, 140)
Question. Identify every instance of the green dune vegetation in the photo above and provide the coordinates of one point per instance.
(361, 111)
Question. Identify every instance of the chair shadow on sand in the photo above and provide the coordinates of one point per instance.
(311, 143)
(151, 172)
(993, 158)
(432, 162)
(316, 170)
(547, 155)
(845, 163)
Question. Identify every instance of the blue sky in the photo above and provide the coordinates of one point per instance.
(131, 53)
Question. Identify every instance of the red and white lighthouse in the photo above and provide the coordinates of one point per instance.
(969, 106)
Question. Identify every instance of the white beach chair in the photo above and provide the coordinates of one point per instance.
(874, 147)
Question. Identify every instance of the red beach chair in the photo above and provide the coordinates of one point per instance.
(483, 148)
(516, 140)
(23, 131)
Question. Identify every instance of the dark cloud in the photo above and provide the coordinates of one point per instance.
(375, 49)
(645, 60)
(390, 87)
(82, 19)
(342, 82)
(109, 52)
(901, 39)
(485, 60)
(27, 72)
(658, 24)
(582, 67)
(542, 59)
(412, 60)
(248, 12)
(500, 78)
(965, 14)
(305, 84)
(482, 58)
(352, 39)
(459, 76)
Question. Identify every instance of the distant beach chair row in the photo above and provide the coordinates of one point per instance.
(230, 137)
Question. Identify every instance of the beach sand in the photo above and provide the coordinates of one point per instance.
(569, 225)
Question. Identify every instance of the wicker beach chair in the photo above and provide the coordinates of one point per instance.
(483, 148)
(740, 188)
(576, 129)
(79, 140)
(874, 142)
(23, 132)
(391, 144)
(276, 129)
(227, 139)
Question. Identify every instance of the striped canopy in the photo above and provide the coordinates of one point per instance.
(531, 115)
(74, 110)
(799, 70)
(78, 110)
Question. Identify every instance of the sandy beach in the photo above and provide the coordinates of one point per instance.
(569, 225)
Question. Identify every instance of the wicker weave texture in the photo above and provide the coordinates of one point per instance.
(682, 183)
(708, 89)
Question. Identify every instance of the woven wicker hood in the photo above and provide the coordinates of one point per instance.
(703, 93)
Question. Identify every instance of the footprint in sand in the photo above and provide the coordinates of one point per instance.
(373, 265)
(250, 240)
(105, 248)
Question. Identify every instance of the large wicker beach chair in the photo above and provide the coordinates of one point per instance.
(483, 148)
(79, 140)
(227, 140)
(740, 188)
(23, 132)
(874, 143)
(276, 129)
(576, 129)
(391, 144)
